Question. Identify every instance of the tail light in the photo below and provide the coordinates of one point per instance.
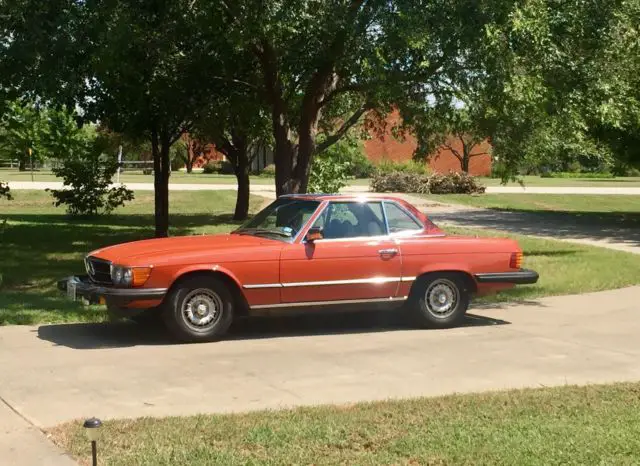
(516, 260)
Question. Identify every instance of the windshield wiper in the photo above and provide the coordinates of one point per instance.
(262, 231)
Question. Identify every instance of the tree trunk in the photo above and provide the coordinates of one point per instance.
(465, 163)
(189, 163)
(22, 162)
(242, 199)
(160, 145)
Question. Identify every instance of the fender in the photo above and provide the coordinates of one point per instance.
(204, 268)
(446, 267)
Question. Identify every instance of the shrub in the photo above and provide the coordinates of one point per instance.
(269, 170)
(88, 179)
(328, 176)
(211, 167)
(5, 191)
(226, 168)
(402, 182)
(577, 175)
(399, 182)
(410, 166)
(454, 183)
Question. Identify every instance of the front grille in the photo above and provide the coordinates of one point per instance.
(99, 270)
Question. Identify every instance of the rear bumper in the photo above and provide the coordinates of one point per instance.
(82, 286)
(519, 277)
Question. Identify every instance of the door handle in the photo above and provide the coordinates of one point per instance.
(388, 252)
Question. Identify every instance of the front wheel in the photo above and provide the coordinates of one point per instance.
(199, 309)
(441, 300)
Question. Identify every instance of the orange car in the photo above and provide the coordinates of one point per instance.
(305, 252)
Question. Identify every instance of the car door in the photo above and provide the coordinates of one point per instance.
(355, 261)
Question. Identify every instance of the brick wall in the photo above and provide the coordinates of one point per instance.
(384, 146)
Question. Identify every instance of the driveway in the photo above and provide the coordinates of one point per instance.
(54, 373)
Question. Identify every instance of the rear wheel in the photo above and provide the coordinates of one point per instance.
(441, 300)
(199, 309)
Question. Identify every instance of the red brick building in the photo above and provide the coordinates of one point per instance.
(380, 147)
(387, 147)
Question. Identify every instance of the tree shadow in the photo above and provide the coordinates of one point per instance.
(126, 334)
(618, 227)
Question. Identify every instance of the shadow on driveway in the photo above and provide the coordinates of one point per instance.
(622, 228)
(126, 334)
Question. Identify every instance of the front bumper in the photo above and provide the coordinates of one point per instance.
(518, 277)
(82, 286)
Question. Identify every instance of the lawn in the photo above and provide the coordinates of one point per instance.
(614, 210)
(40, 245)
(566, 425)
(619, 182)
(138, 177)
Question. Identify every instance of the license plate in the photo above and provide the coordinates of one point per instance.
(71, 290)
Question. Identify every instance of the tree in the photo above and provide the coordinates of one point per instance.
(21, 129)
(334, 61)
(141, 68)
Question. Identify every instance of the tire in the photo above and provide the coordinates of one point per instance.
(206, 323)
(441, 300)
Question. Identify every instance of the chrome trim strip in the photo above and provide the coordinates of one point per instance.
(356, 281)
(262, 285)
(326, 303)
(385, 218)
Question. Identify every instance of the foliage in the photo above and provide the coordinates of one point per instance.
(220, 167)
(328, 175)
(580, 175)
(87, 173)
(21, 129)
(454, 183)
(437, 183)
(410, 166)
(269, 170)
(349, 150)
(5, 191)
(399, 182)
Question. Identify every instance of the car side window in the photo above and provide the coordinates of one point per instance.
(351, 220)
(399, 220)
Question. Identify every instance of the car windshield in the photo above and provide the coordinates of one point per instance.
(282, 219)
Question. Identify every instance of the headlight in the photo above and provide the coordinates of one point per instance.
(129, 276)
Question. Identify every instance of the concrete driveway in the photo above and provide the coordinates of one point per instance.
(54, 373)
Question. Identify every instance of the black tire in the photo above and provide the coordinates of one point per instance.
(429, 300)
(182, 320)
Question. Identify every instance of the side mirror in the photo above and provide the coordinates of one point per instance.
(314, 234)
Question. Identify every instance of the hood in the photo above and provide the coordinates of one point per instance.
(195, 249)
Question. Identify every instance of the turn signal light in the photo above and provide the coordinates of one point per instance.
(516, 260)
(141, 275)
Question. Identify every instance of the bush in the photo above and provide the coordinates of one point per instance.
(454, 183)
(410, 166)
(211, 167)
(5, 191)
(328, 176)
(269, 170)
(349, 150)
(219, 167)
(569, 175)
(402, 182)
(399, 182)
(88, 178)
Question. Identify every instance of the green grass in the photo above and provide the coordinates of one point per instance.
(138, 177)
(619, 182)
(40, 245)
(564, 268)
(566, 425)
